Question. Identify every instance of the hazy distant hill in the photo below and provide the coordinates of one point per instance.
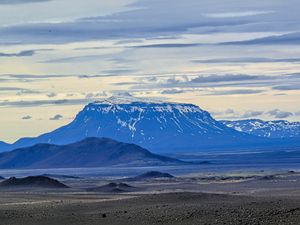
(90, 152)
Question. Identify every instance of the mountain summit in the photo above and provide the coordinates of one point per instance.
(155, 125)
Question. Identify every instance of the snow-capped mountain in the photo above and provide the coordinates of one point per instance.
(155, 125)
(270, 129)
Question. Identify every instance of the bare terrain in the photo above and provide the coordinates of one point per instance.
(223, 199)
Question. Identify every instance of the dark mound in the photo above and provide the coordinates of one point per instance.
(2, 178)
(114, 188)
(268, 177)
(32, 181)
(151, 175)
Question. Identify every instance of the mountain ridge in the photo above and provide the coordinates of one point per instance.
(269, 129)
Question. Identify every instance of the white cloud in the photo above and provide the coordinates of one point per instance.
(237, 14)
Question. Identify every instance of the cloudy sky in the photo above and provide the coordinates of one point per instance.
(236, 59)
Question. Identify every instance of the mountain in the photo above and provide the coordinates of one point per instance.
(90, 152)
(269, 129)
(157, 126)
(33, 181)
(154, 125)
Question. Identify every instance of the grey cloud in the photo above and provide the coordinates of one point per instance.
(251, 114)
(15, 2)
(51, 95)
(172, 91)
(278, 114)
(235, 92)
(118, 71)
(164, 38)
(26, 117)
(27, 91)
(28, 78)
(34, 77)
(96, 95)
(237, 14)
(5, 89)
(83, 58)
(126, 83)
(228, 114)
(19, 91)
(224, 78)
(286, 39)
(247, 60)
(178, 45)
(35, 103)
(287, 87)
(129, 41)
(230, 111)
(56, 117)
(19, 54)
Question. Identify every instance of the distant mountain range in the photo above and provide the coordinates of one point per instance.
(91, 152)
(154, 125)
(268, 129)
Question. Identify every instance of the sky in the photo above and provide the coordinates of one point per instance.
(236, 59)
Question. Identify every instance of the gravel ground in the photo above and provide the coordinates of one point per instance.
(169, 208)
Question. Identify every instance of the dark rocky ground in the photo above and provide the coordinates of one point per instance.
(170, 208)
(235, 200)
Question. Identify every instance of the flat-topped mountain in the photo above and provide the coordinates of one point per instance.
(154, 125)
(90, 152)
(269, 129)
(32, 181)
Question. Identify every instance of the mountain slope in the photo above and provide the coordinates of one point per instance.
(269, 129)
(90, 152)
(4, 146)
